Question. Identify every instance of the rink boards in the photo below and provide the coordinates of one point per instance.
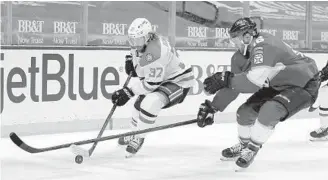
(51, 91)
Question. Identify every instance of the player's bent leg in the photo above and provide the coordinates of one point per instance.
(123, 141)
(248, 112)
(150, 107)
(270, 114)
(165, 96)
(246, 117)
(321, 134)
(282, 106)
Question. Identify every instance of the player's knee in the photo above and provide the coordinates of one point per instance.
(271, 113)
(246, 115)
(150, 107)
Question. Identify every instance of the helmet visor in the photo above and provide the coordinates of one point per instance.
(135, 42)
(239, 43)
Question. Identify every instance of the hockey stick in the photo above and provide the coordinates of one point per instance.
(21, 144)
(87, 153)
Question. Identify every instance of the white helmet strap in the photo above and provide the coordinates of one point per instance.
(246, 45)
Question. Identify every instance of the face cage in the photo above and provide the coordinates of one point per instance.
(239, 42)
(137, 42)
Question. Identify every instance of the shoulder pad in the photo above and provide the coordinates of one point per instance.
(260, 43)
(152, 53)
(264, 38)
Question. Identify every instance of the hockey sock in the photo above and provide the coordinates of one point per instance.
(244, 133)
(323, 117)
(260, 133)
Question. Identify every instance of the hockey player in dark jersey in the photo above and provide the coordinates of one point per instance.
(321, 134)
(287, 80)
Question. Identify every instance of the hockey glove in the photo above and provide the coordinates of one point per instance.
(122, 96)
(217, 81)
(324, 73)
(205, 114)
(129, 68)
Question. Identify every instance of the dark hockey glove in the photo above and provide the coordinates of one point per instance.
(217, 81)
(205, 114)
(324, 73)
(122, 96)
(129, 68)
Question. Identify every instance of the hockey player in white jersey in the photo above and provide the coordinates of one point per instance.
(322, 132)
(165, 80)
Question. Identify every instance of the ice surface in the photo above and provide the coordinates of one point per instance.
(186, 153)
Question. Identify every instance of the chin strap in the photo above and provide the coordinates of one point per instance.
(246, 45)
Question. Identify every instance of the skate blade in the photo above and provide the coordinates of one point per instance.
(129, 155)
(228, 159)
(240, 169)
(319, 139)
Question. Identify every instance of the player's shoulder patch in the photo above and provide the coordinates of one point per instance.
(257, 54)
(263, 40)
(259, 39)
(151, 54)
(258, 58)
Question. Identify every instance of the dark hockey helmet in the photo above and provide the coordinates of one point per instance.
(242, 26)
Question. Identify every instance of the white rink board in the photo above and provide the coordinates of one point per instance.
(34, 112)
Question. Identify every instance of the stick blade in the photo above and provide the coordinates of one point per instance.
(20, 143)
(15, 139)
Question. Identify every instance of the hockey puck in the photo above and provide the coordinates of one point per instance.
(78, 159)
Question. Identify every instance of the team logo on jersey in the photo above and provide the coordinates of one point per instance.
(149, 57)
(258, 58)
(259, 39)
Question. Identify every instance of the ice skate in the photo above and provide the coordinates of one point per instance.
(320, 134)
(230, 154)
(247, 156)
(134, 146)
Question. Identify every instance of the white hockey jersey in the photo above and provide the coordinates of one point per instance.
(158, 64)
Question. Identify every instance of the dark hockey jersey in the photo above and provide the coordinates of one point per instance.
(273, 63)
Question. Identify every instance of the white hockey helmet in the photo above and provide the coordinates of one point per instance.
(138, 32)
